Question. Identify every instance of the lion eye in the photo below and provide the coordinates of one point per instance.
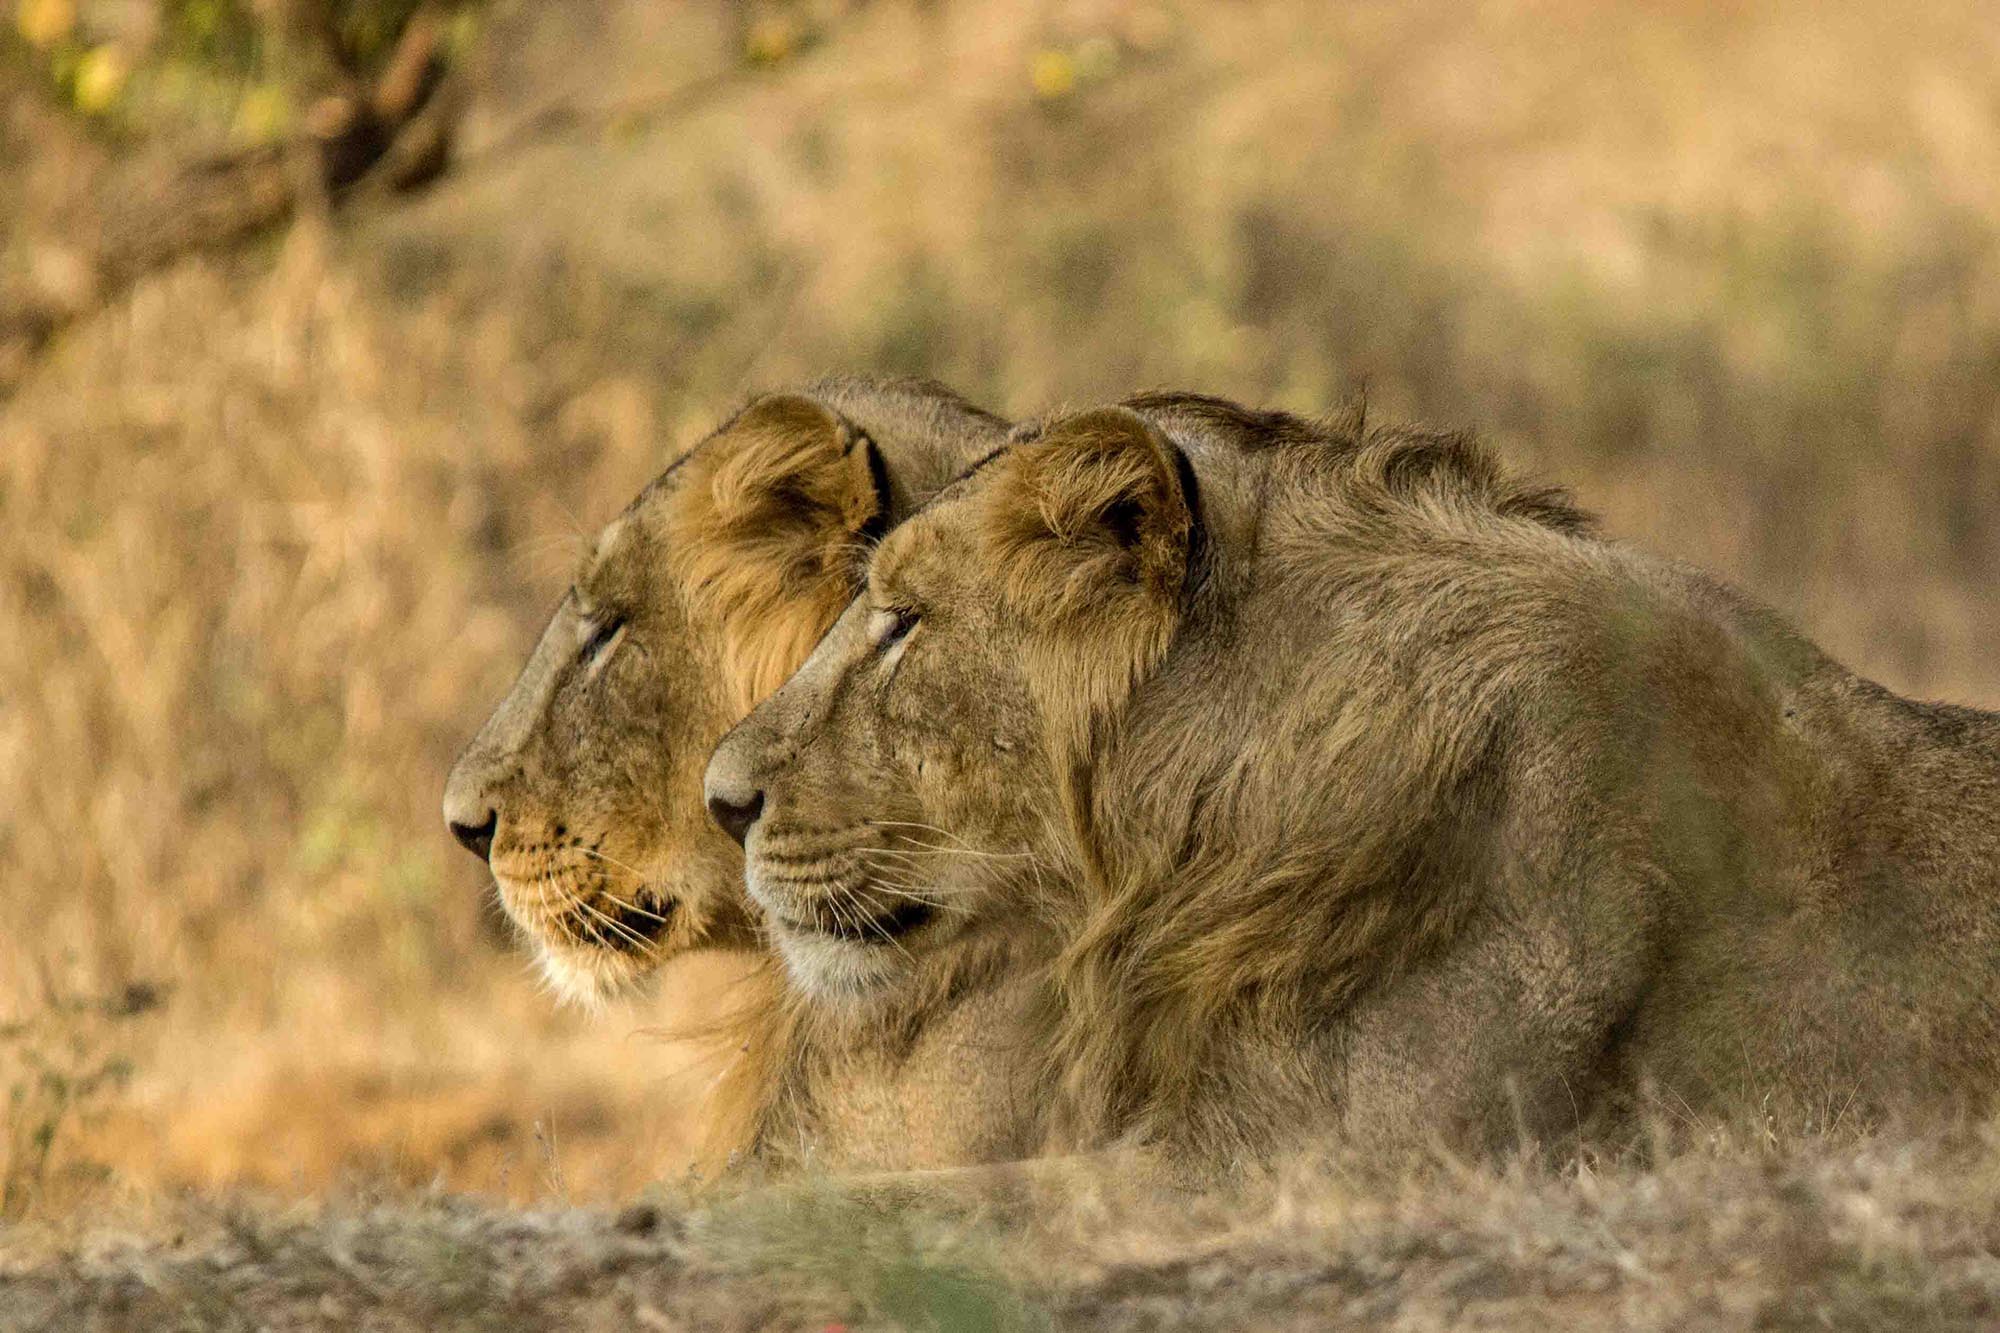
(597, 638)
(891, 625)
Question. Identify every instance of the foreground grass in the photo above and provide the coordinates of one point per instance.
(1875, 1234)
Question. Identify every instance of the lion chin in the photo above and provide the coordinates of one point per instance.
(833, 970)
(587, 978)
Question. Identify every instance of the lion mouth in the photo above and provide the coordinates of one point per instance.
(886, 928)
(816, 891)
(625, 927)
(552, 908)
(851, 924)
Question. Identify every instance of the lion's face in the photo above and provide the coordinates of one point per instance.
(583, 790)
(898, 794)
(893, 782)
(569, 789)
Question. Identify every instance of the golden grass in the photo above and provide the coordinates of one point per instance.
(275, 533)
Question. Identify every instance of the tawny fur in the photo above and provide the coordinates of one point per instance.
(1429, 816)
(777, 528)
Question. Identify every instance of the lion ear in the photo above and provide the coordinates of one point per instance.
(1090, 529)
(1100, 509)
(770, 527)
(793, 468)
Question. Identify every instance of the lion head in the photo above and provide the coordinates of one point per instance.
(582, 791)
(911, 777)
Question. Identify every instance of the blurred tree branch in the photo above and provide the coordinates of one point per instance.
(360, 137)
(391, 134)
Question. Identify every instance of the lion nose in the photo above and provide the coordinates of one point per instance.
(735, 800)
(472, 803)
(735, 811)
(476, 838)
(733, 785)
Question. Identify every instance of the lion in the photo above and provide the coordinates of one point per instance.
(583, 793)
(1359, 792)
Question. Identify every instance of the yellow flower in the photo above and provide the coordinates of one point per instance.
(770, 40)
(1052, 73)
(44, 22)
(100, 77)
(264, 114)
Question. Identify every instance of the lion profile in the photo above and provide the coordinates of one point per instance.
(1356, 788)
(583, 789)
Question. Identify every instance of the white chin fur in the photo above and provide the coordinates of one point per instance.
(834, 970)
(587, 978)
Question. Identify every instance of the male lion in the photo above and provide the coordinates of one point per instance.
(582, 791)
(1367, 792)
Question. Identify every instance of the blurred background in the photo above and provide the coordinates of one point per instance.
(328, 328)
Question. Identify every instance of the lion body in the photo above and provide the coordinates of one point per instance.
(1544, 833)
(1369, 795)
(942, 1081)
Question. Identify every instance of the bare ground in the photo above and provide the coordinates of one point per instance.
(1877, 1234)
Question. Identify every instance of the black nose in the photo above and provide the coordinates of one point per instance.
(477, 838)
(736, 812)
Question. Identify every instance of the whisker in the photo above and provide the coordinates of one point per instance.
(909, 859)
(931, 849)
(912, 893)
(925, 892)
(809, 848)
(633, 871)
(870, 923)
(631, 907)
(895, 861)
(640, 942)
(904, 823)
(619, 934)
(847, 911)
(964, 848)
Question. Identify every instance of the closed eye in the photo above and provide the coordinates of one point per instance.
(598, 638)
(890, 625)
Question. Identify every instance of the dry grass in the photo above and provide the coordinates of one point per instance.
(1858, 1236)
(273, 533)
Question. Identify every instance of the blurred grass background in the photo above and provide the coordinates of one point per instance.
(277, 526)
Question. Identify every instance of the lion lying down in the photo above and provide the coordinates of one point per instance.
(1290, 780)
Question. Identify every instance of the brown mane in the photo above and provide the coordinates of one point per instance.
(769, 552)
(1230, 922)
